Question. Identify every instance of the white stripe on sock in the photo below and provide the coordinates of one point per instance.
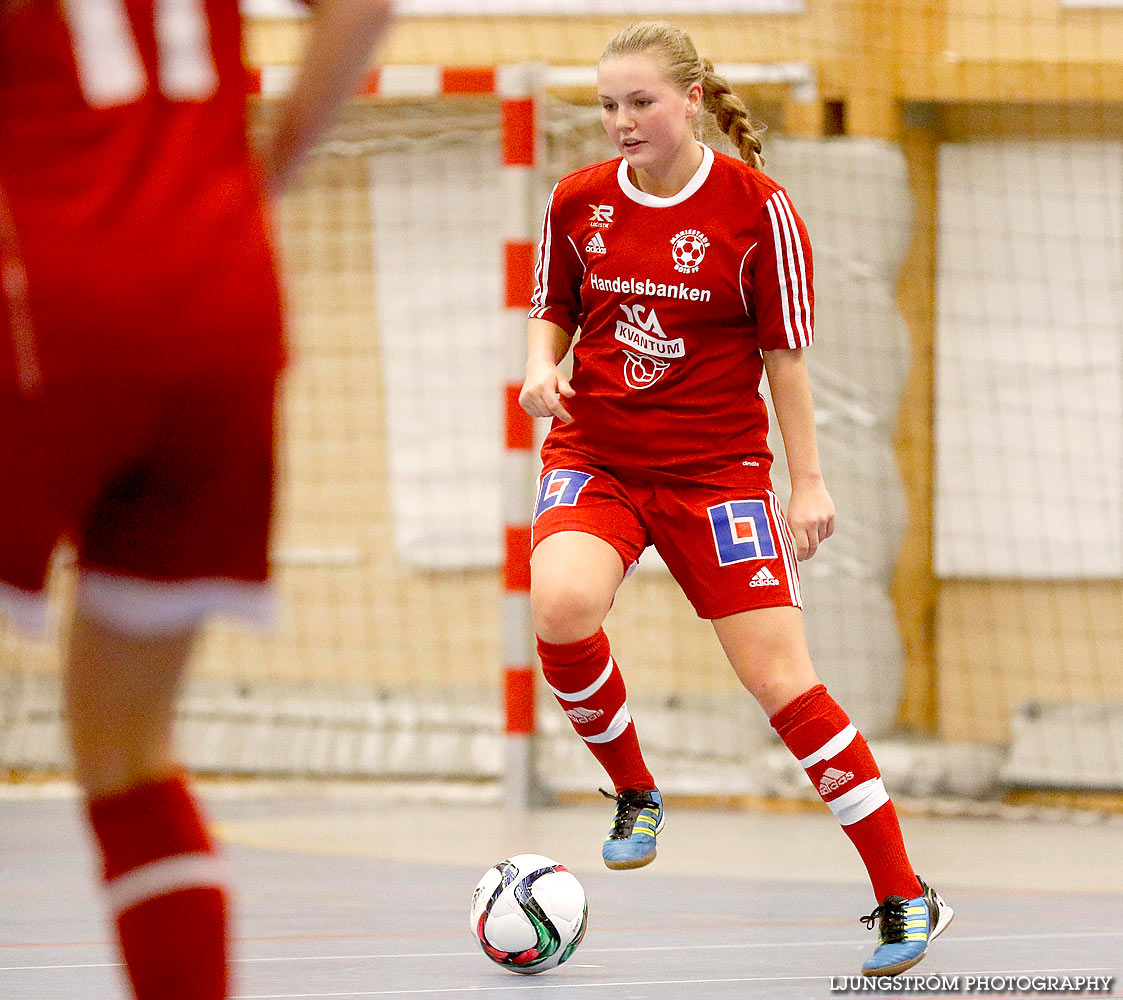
(618, 724)
(836, 744)
(183, 871)
(859, 802)
(590, 690)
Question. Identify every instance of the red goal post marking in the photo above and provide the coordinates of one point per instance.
(519, 149)
(515, 86)
(396, 81)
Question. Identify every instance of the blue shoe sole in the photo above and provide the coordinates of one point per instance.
(622, 865)
(625, 864)
(945, 916)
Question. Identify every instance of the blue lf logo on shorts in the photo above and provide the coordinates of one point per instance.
(742, 531)
(560, 488)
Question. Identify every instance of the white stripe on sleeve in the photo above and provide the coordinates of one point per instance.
(780, 274)
(542, 272)
(789, 275)
(788, 258)
(802, 286)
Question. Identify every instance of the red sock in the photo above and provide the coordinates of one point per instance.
(839, 763)
(590, 689)
(165, 887)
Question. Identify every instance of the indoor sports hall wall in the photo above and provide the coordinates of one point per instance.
(1002, 546)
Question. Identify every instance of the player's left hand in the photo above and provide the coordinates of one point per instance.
(810, 516)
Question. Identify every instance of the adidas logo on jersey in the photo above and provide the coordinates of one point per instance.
(833, 779)
(596, 244)
(764, 578)
(583, 715)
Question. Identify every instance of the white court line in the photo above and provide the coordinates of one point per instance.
(744, 945)
(507, 987)
(638, 982)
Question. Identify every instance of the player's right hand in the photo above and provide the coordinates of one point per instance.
(543, 391)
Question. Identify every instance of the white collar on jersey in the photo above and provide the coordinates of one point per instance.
(654, 201)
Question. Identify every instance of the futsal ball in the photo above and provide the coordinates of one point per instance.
(529, 913)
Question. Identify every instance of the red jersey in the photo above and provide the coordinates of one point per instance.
(128, 197)
(675, 298)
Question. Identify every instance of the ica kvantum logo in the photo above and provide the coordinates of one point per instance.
(648, 347)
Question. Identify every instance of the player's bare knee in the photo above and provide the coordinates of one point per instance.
(566, 612)
(109, 765)
(773, 686)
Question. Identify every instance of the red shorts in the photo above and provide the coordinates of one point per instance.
(729, 549)
(164, 488)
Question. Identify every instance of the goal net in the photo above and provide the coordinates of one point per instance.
(968, 378)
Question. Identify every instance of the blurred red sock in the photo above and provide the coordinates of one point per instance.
(165, 887)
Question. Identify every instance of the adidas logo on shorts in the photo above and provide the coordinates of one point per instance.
(583, 715)
(596, 244)
(764, 578)
(833, 779)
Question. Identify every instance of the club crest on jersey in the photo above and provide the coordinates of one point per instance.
(741, 531)
(560, 488)
(651, 350)
(602, 216)
(688, 247)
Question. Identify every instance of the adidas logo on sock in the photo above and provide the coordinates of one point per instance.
(764, 578)
(596, 245)
(583, 715)
(833, 779)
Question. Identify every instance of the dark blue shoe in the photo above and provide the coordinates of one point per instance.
(908, 926)
(631, 842)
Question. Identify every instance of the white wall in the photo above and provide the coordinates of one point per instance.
(1029, 360)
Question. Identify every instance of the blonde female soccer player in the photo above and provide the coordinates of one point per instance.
(688, 272)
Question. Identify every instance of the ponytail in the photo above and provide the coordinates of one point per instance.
(732, 116)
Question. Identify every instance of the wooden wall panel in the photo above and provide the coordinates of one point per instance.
(826, 33)
(1001, 644)
(1032, 30)
(914, 589)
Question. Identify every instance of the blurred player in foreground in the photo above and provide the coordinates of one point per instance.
(689, 273)
(140, 349)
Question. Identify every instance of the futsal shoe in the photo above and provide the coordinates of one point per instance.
(908, 926)
(639, 817)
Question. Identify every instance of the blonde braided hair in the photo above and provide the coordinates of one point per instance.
(687, 68)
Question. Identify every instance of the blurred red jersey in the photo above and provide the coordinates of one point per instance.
(128, 198)
(675, 298)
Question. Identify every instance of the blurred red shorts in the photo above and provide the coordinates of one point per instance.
(164, 488)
